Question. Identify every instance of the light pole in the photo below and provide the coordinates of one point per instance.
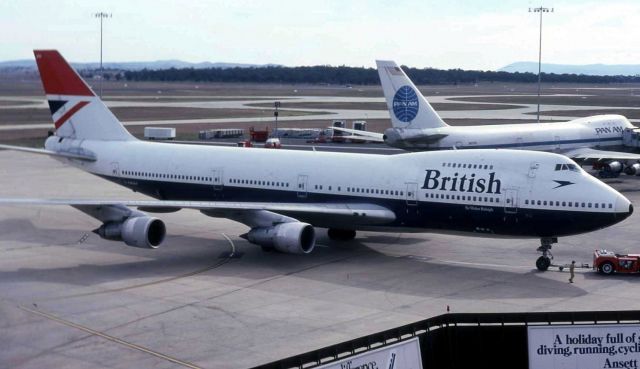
(275, 114)
(540, 10)
(101, 16)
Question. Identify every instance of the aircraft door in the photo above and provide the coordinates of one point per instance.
(412, 193)
(556, 141)
(533, 169)
(217, 179)
(511, 201)
(115, 169)
(302, 186)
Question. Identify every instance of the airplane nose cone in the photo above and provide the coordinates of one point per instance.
(624, 208)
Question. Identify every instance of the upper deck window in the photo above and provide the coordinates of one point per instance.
(571, 167)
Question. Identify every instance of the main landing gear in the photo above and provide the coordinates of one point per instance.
(544, 261)
(341, 234)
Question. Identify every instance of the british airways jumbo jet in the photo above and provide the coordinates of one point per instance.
(283, 195)
(416, 126)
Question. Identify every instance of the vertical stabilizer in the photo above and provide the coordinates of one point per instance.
(75, 109)
(407, 107)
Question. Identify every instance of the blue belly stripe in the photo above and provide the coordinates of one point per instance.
(542, 143)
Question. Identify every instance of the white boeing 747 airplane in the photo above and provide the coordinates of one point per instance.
(283, 195)
(416, 126)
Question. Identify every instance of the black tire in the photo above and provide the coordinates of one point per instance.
(543, 263)
(607, 268)
(341, 234)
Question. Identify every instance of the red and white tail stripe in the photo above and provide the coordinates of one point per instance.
(75, 109)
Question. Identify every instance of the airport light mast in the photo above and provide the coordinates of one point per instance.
(540, 10)
(101, 16)
(276, 105)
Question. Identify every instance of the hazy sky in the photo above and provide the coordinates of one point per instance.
(479, 34)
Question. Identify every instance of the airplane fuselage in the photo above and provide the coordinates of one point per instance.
(482, 192)
(601, 131)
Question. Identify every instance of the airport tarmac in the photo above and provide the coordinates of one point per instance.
(70, 299)
(493, 110)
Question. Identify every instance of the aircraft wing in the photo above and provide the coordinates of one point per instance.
(360, 135)
(63, 154)
(250, 213)
(589, 154)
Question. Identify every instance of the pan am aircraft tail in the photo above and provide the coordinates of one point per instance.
(408, 107)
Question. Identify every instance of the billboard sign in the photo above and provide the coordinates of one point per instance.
(403, 355)
(584, 346)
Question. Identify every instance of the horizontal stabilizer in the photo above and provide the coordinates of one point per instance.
(356, 134)
(68, 155)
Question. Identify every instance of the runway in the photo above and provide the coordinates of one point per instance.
(70, 299)
(510, 112)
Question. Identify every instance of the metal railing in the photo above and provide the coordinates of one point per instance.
(448, 324)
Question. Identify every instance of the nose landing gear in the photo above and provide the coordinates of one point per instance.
(544, 261)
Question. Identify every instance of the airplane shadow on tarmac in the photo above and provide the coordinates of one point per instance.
(344, 264)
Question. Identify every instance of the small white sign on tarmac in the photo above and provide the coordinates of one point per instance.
(584, 346)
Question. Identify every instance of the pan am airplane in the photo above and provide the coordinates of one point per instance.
(282, 195)
(416, 126)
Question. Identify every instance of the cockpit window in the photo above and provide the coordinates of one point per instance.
(571, 167)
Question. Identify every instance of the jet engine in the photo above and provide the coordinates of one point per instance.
(613, 167)
(144, 232)
(291, 238)
(633, 169)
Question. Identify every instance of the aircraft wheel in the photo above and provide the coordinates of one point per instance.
(267, 249)
(607, 268)
(543, 263)
(341, 234)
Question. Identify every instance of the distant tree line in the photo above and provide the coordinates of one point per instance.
(357, 76)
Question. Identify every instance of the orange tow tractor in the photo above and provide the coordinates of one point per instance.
(608, 262)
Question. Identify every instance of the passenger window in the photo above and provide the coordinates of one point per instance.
(539, 202)
(544, 203)
(564, 203)
(526, 202)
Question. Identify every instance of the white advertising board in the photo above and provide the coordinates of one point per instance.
(584, 346)
(403, 355)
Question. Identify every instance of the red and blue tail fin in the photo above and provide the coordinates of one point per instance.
(75, 109)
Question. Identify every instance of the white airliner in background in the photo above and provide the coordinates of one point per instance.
(417, 126)
(282, 195)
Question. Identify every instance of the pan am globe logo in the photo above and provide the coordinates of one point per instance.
(405, 104)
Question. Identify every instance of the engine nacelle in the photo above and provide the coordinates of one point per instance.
(292, 238)
(633, 169)
(143, 232)
(613, 167)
